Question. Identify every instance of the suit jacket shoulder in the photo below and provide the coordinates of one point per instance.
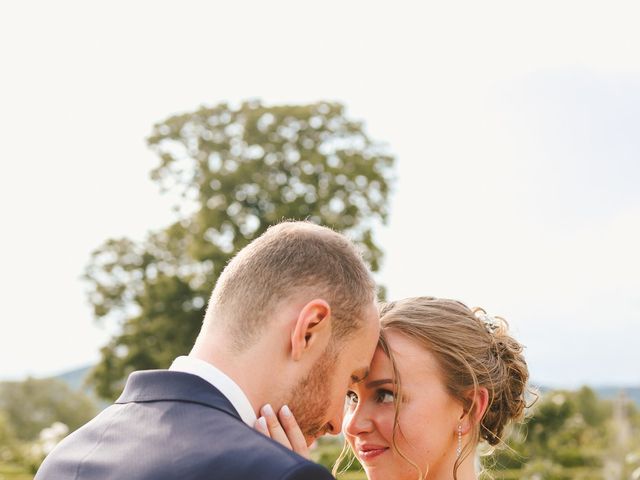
(173, 425)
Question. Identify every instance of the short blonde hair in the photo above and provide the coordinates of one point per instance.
(289, 259)
(473, 351)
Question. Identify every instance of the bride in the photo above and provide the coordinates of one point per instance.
(444, 378)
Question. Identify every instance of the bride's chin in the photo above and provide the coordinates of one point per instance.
(374, 473)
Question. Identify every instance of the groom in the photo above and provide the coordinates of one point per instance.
(291, 323)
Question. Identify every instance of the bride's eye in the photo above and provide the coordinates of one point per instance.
(352, 398)
(385, 396)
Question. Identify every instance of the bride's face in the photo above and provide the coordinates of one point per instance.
(427, 422)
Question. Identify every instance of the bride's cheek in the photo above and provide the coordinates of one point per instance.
(386, 421)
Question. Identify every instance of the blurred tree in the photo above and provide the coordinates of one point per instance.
(567, 432)
(594, 410)
(35, 404)
(235, 172)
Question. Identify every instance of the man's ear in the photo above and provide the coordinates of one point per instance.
(480, 402)
(312, 328)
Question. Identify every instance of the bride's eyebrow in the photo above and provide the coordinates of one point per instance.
(377, 383)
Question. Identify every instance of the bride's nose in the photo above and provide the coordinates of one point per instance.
(357, 422)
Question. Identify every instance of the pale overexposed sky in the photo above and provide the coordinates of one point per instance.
(515, 127)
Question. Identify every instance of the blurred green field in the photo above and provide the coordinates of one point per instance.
(568, 474)
(11, 472)
(352, 476)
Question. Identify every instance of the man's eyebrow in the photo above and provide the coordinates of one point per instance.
(377, 383)
(357, 378)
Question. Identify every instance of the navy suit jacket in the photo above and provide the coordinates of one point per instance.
(173, 425)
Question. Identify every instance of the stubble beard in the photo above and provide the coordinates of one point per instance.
(310, 398)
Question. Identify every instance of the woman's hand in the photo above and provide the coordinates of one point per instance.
(282, 428)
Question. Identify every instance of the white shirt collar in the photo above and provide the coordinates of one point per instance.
(221, 381)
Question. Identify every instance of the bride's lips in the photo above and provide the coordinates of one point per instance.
(370, 451)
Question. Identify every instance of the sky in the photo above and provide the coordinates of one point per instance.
(514, 126)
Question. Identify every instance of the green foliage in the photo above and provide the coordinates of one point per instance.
(35, 404)
(34, 416)
(14, 472)
(9, 444)
(594, 411)
(568, 436)
(353, 475)
(570, 429)
(235, 171)
(328, 451)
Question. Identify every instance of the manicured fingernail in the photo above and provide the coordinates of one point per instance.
(263, 423)
(285, 411)
(268, 410)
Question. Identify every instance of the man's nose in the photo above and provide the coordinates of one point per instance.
(334, 426)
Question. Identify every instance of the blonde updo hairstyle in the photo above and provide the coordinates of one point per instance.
(473, 351)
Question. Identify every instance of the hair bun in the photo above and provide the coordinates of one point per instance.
(510, 379)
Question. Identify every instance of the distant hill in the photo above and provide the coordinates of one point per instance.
(607, 393)
(76, 378)
(612, 392)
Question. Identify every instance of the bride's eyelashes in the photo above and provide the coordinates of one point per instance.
(381, 395)
(385, 396)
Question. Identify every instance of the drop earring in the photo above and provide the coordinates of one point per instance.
(459, 449)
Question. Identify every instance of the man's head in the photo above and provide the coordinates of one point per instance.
(300, 299)
(289, 260)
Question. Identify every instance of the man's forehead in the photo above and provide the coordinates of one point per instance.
(370, 323)
(373, 311)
